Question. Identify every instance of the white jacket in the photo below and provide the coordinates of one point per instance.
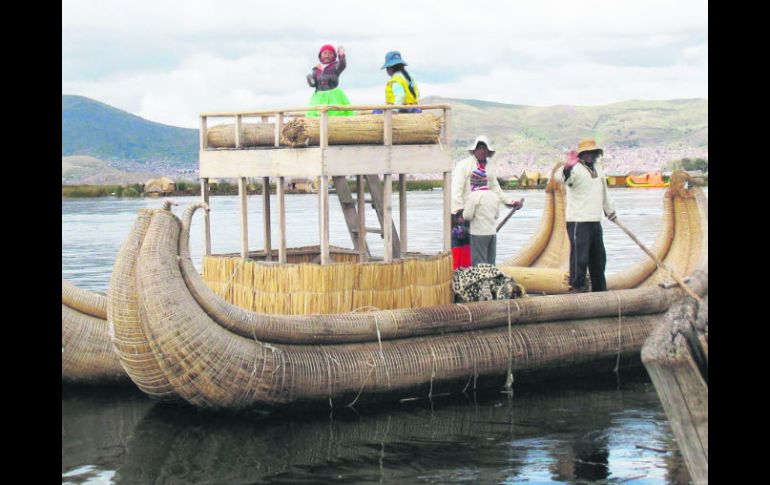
(482, 210)
(587, 195)
(461, 183)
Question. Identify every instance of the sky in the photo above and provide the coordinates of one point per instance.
(169, 61)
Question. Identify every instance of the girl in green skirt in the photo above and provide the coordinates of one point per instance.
(325, 79)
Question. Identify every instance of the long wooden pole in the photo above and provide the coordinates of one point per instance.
(502, 223)
(659, 262)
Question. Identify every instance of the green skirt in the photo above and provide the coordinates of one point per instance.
(334, 96)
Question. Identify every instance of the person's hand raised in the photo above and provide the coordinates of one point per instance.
(572, 159)
(341, 51)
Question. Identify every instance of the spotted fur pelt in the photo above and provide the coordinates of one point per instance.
(483, 282)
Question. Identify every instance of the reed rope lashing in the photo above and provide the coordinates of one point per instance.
(432, 371)
(372, 366)
(329, 374)
(229, 280)
(382, 353)
(470, 315)
(617, 362)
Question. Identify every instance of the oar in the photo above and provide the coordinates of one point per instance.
(502, 223)
(659, 262)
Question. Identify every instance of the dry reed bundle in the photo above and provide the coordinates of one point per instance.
(252, 135)
(408, 129)
(304, 288)
(87, 354)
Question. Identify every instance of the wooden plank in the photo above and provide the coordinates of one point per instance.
(387, 128)
(242, 195)
(204, 138)
(278, 127)
(323, 193)
(334, 160)
(363, 248)
(376, 192)
(366, 107)
(402, 211)
(447, 207)
(281, 221)
(266, 217)
(238, 128)
(387, 217)
(205, 191)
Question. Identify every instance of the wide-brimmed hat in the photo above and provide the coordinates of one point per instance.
(481, 139)
(327, 47)
(393, 58)
(588, 145)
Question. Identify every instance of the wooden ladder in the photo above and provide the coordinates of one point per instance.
(351, 213)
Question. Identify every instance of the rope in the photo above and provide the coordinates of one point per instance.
(470, 315)
(509, 379)
(432, 371)
(372, 366)
(370, 307)
(617, 362)
(382, 353)
(227, 285)
(329, 375)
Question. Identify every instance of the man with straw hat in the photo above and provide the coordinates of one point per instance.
(587, 197)
(481, 151)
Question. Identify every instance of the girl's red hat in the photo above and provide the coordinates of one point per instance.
(327, 47)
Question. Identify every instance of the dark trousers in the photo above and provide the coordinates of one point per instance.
(483, 249)
(586, 252)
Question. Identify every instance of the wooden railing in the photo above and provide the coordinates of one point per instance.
(280, 114)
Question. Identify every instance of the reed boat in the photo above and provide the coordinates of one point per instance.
(177, 338)
(649, 180)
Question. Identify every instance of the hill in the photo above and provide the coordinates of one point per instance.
(77, 170)
(637, 135)
(123, 140)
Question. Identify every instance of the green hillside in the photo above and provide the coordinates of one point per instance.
(81, 169)
(99, 130)
(681, 123)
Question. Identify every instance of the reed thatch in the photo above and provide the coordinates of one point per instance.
(252, 135)
(676, 358)
(303, 289)
(408, 129)
(87, 353)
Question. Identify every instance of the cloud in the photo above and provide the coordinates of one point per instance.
(169, 61)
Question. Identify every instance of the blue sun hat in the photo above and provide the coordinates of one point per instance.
(392, 58)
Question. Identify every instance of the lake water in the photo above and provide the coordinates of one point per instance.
(611, 429)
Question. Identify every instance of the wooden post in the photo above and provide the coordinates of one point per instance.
(447, 211)
(278, 127)
(324, 131)
(281, 222)
(387, 127)
(206, 220)
(238, 131)
(266, 217)
(204, 134)
(402, 212)
(361, 218)
(447, 135)
(244, 218)
(323, 191)
(387, 217)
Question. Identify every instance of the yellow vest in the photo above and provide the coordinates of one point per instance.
(399, 78)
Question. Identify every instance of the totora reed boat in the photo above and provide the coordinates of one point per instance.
(177, 335)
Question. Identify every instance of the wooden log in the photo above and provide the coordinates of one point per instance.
(408, 129)
(251, 135)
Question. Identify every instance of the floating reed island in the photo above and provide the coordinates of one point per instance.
(247, 332)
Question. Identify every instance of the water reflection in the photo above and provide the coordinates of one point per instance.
(537, 435)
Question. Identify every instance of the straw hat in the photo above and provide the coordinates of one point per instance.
(588, 145)
(481, 139)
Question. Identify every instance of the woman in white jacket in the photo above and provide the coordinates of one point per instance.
(482, 210)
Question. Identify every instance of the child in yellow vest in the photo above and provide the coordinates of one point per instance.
(401, 88)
